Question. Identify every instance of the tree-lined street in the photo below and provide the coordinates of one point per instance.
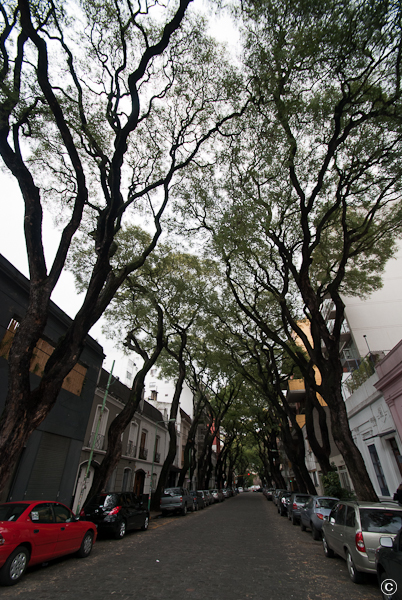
(240, 549)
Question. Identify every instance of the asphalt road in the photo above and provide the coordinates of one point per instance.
(238, 550)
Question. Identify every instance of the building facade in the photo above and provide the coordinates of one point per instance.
(145, 443)
(48, 464)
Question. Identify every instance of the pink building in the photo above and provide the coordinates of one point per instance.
(389, 371)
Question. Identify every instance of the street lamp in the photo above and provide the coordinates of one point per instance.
(153, 459)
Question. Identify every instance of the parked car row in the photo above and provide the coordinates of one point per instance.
(367, 535)
(180, 500)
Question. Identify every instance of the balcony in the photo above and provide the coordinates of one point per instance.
(143, 455)
(157, 457)
(131, 449)
(99, 441)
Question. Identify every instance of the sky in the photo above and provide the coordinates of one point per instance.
(12, 242)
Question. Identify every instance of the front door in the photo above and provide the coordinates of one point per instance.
(45, 531)
(138, 488)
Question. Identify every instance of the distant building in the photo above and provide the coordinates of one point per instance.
(145, 443)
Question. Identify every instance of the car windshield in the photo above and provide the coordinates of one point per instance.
(380, 521)
(301, 498)
(11, 512)
(326, 503)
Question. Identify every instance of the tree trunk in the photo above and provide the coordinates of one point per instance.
(171, 427)
(321, 452)
(332, 394)
(189, 448)
(295, 451)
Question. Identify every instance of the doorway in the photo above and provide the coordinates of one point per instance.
(139, 480)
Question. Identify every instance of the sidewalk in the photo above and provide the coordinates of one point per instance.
(154, 514)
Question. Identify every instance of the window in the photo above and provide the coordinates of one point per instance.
(350, 517)
(73, 382)
(340, 515)
(380, 520)
(8, 337)
(98, 432)
(132, 438)
(143, 454)
(396, 453)
(62, 513)
(42, 513)
(378, 470)
(344, 479)
(126, 480)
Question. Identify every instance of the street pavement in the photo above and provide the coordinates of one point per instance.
(238, 550)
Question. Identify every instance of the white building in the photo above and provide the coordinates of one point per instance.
(160, 392)
(145, 444)
(379, 316)
(375, 435)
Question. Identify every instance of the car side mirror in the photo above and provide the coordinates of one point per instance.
(386, 542)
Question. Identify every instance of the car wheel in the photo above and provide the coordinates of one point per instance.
(302, 527)
(329, 553)
(316, 533)
(164, 513)
(86, 545)
(121, 532)
(195, 506)
(184, 510)
(146, 523)
(14, 567)
(355, 575)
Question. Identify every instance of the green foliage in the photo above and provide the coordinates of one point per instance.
(365, 370)
(332, 486)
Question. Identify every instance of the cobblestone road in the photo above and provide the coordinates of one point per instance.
(238, 550)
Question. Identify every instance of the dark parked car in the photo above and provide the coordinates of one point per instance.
(116, 513)
(282, 503)
(217, 495)
(295, 504)
(276, 494)
(388, 559)
(268, 493)
(353, 531)
(208, 496)
(176, 499)
(35, 532)
(198, 499)
(204, 497)
(315, 512)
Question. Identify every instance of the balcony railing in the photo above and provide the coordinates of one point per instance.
(131, 449)
(157, 457)
(143, 453)
(99, 441)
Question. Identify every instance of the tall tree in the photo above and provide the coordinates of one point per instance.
(98, 120)
(310, 200)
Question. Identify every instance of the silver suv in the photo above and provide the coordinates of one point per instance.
(353, 531)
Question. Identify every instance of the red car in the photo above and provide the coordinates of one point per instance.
(35, 532)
